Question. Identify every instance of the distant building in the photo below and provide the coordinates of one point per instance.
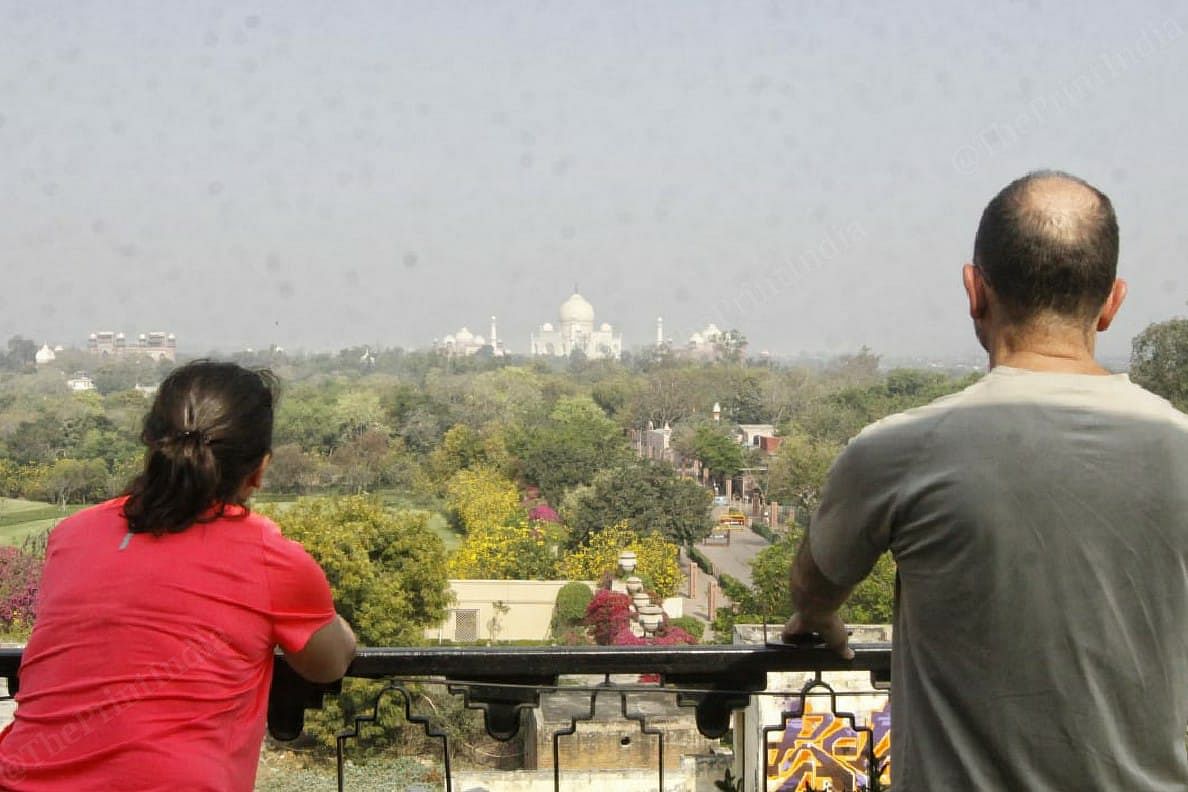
(752, 435)
(657, 443)
(44, 355)
(576, 333)
(106, 342)
(464, 343)
(703, 344)
(80, 382)
(158, 345)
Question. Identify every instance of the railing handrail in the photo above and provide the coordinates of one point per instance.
(459, 662)
(715, 679)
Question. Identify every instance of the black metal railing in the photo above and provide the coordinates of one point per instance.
(503, 682)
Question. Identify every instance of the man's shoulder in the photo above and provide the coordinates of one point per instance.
(917, 421)
(1152, 405)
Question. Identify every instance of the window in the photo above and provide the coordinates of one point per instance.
(466, 625)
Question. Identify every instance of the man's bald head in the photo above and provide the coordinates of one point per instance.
(1048, 246)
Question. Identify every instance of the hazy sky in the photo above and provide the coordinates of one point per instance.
(320, 175)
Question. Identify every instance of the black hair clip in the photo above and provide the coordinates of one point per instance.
(190, 434)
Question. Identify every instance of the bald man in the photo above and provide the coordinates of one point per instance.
(1039, 522)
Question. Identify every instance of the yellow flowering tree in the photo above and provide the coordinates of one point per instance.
(481, 498)
(521, 550)
(656, 559)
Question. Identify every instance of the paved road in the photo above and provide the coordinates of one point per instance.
(734, 560)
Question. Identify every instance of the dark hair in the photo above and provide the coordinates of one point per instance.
(209, 428)
(1049, 253)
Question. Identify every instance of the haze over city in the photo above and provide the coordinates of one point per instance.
(811, 174)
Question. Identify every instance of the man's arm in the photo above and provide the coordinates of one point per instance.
(327, 654)
(816, 600)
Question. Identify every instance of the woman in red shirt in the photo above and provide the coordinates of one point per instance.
(150, 661)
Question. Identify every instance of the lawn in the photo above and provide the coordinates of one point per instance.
(20, 518)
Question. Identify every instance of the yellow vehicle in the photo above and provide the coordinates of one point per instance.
(732, 520)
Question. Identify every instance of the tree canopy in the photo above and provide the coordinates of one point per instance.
(644, 494)
(1159, 360)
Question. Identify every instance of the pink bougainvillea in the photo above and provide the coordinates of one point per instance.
(672, 636)
(625, 637)
(20, 578)
(544, 513)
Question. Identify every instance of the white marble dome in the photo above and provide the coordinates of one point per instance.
(577, 309)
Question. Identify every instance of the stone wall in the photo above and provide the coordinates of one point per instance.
(610, 739)
(693, 774)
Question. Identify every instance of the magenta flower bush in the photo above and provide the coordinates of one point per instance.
(544, 513)
(20, 579)
(608, 614)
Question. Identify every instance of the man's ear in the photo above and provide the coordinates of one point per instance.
(975, 290)
(1113, 302)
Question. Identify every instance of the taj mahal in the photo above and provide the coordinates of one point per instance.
(576, 333)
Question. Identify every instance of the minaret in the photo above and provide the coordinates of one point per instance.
(659, 331)
(494, 341)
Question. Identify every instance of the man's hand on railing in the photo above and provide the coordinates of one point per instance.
(830, 630)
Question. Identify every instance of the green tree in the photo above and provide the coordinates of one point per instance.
(125, 373)
(72, 480)
(1159, 360)
(373, 459)
(717, 451)
(357, 412)
(576, 442)
(463, 447)
(387, 569)
(769, 595)
(797, 471)
(645, 494)
(388, 574)
(306, 417)
(569, 610)
(291, 469)
(21, 353)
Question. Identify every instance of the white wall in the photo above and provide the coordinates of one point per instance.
(529, 603)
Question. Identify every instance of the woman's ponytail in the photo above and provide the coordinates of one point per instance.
(208, 430)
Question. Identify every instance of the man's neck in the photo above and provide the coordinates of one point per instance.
(1046, 350)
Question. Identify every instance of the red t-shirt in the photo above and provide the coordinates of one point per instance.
(150, 661)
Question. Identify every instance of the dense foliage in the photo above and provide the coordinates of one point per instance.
(388, 573)
(768, 597)
(569, 609)
(20, 577)
(387, 568)
(644, 494)
(519, 550)
(1159, 360)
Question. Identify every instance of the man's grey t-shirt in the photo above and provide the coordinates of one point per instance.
(1040, 527)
